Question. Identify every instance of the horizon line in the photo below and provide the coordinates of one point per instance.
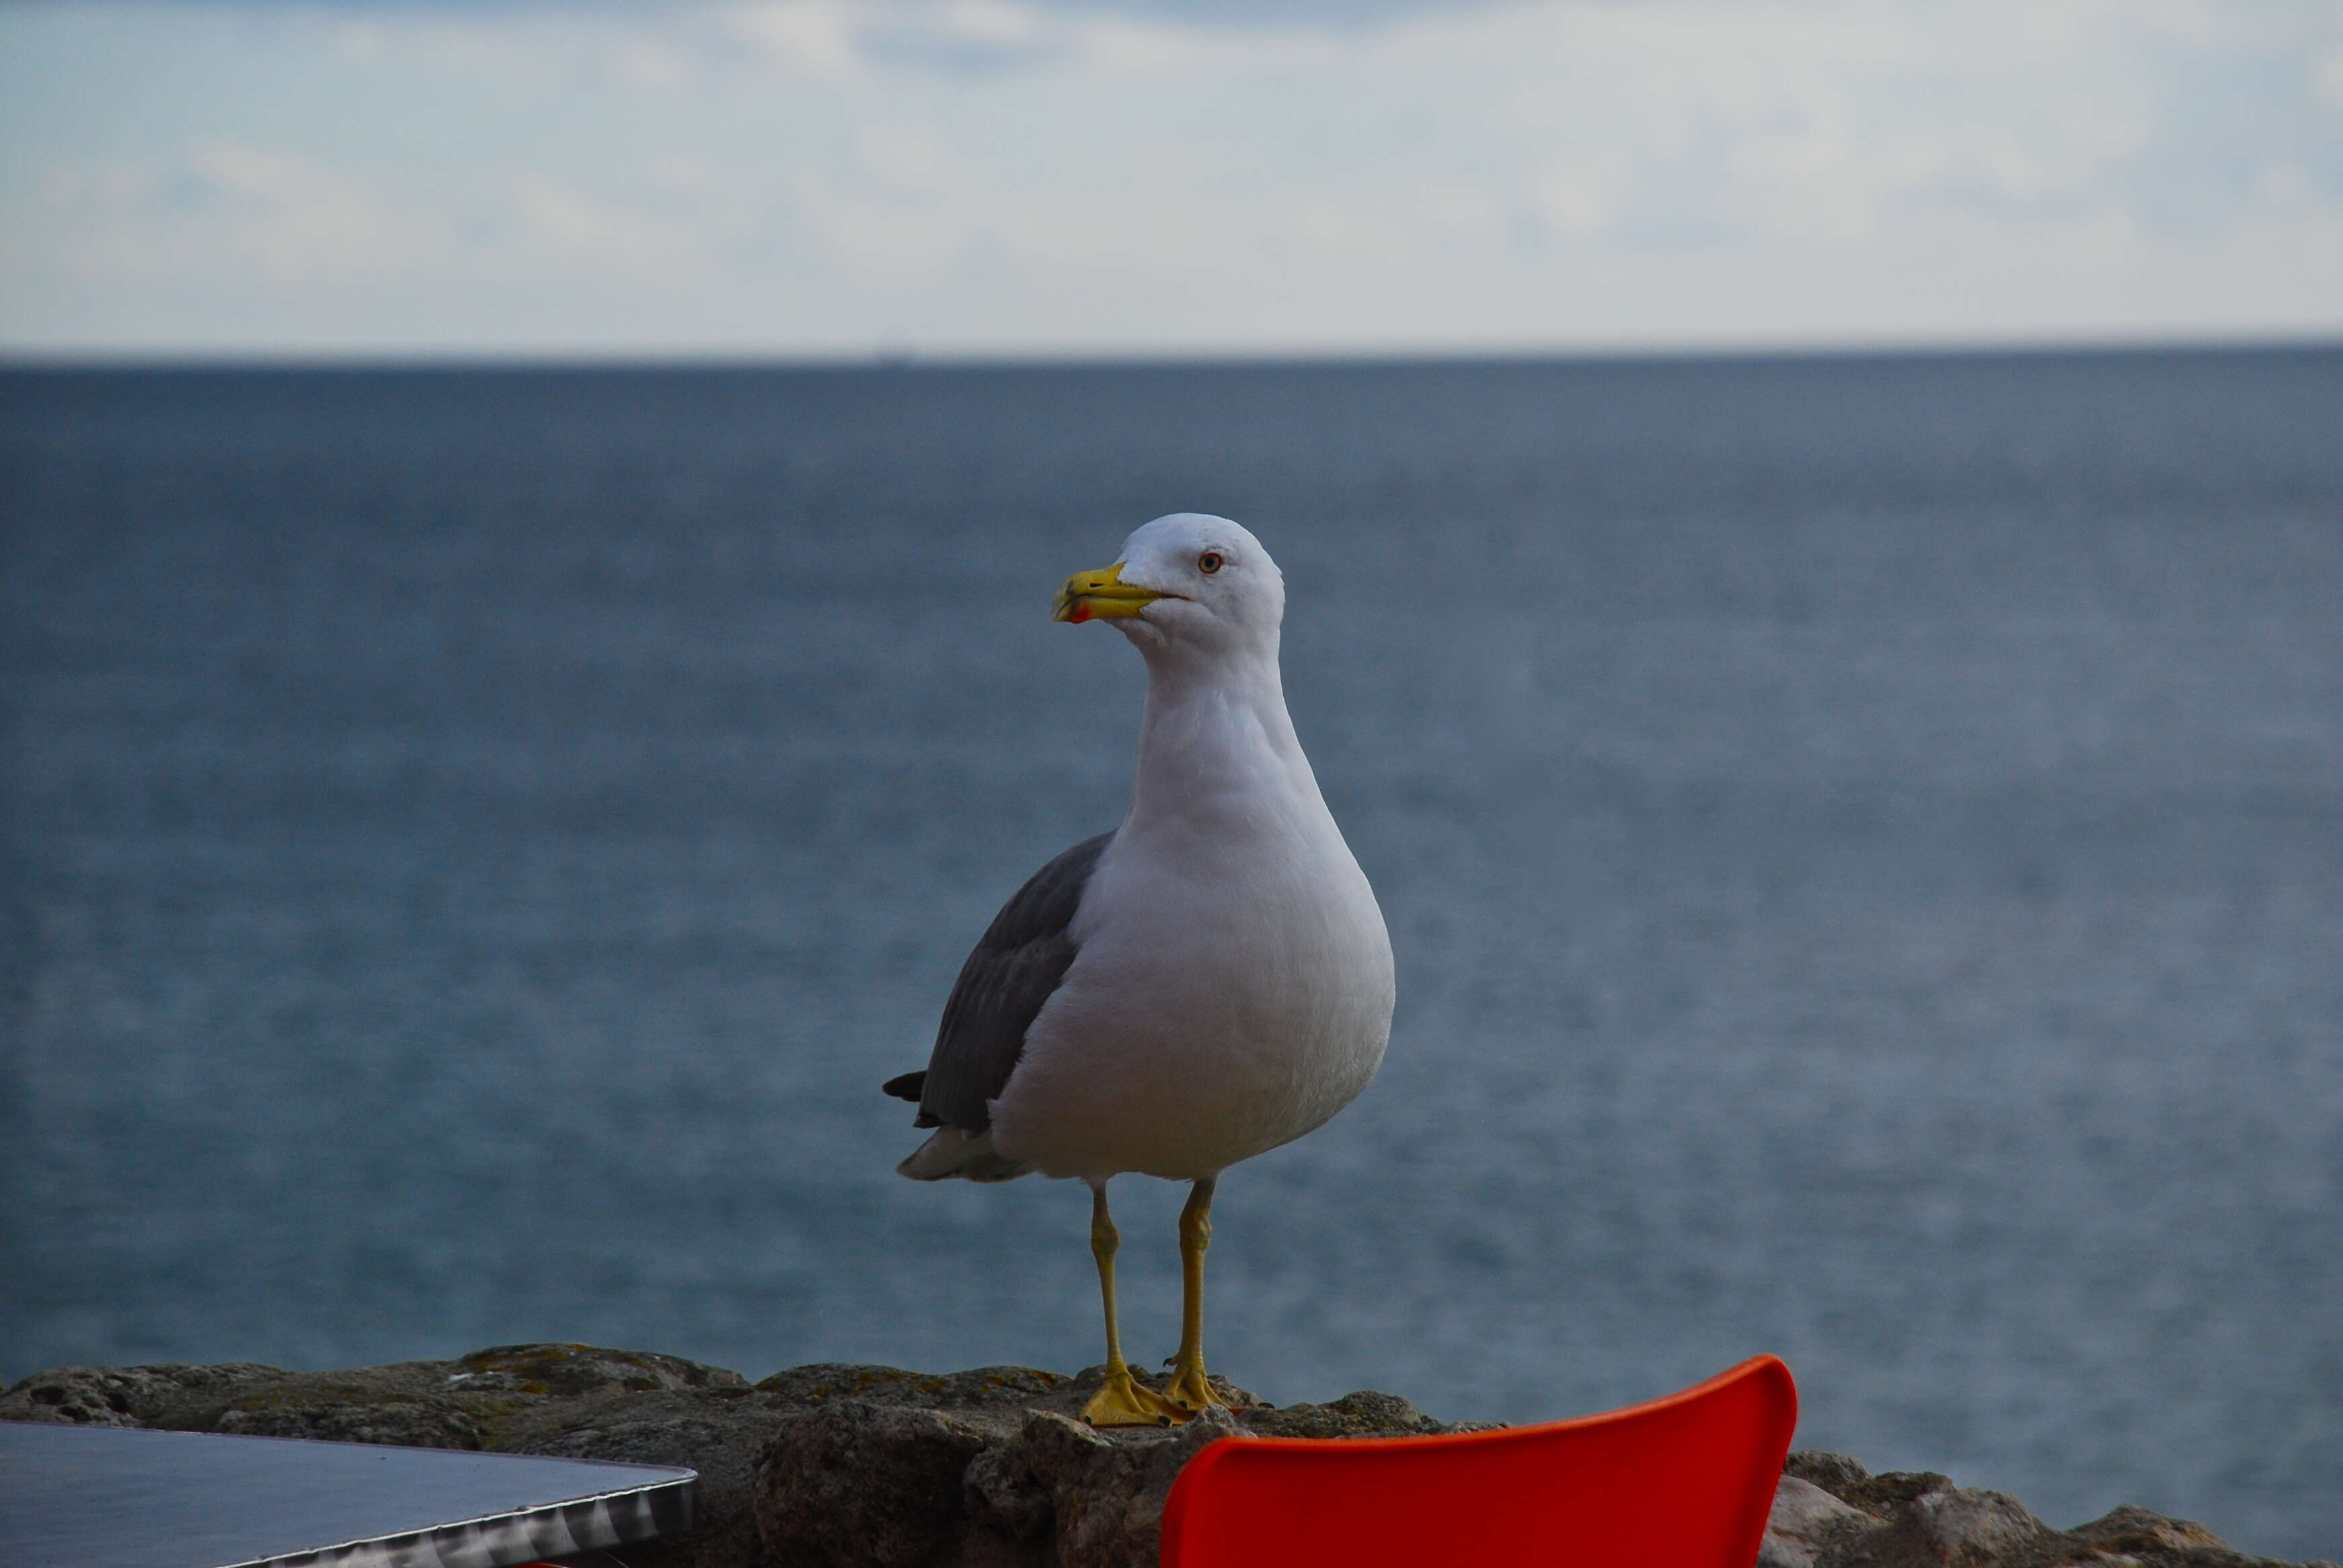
(886, 357)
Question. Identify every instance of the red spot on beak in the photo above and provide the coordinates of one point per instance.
(1082, 613)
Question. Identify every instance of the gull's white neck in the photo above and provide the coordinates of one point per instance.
(1217, 752)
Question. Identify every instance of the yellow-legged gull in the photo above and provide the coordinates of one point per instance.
(1204, 983)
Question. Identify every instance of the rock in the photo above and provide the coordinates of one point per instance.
(1932, 1523)
(1804, 1520)
(1887, 1493)
(1834, 1472)
(1005, 1497)
(407, 1423)
(1108, 1490)
(2133, 1531)
(580, 1370)
(1000, 1387)
(861, 1483)
(1363, 1414)
(1921, 1520)
(1964, 1529)
(120, 1396)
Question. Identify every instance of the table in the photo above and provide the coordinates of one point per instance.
(125, 1497)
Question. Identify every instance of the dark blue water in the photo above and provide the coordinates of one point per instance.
(1864, 841)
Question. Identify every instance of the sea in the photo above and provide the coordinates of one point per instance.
(1862, 836)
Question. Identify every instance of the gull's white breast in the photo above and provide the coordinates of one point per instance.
(1232, 990)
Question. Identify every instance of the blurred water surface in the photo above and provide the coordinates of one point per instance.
(1862, 837)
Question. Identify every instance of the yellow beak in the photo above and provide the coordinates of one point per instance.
(1102, 594)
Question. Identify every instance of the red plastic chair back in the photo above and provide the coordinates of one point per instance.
(1685, 1482)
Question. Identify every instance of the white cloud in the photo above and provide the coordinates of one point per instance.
(811, 35)
(220, 206)
(984, 176)
(2327, 72)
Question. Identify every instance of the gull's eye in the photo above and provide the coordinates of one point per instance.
(1209, 562)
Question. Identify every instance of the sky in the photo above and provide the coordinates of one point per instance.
(1008, 177)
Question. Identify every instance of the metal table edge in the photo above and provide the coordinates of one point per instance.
(622, 1517)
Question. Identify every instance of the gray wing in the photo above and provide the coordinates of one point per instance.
(1017, 963)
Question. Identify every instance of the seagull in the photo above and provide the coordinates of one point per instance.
(1207, 982)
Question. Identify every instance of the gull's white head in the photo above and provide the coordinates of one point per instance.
(1188, 580)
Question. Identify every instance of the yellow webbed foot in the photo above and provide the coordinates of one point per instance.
(1123, 1401)
(1188, 1392)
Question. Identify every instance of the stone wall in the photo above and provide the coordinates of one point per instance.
(831, 1466)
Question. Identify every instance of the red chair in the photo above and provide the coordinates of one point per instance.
(1685, 1482)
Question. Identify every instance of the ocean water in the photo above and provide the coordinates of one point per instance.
(1863, 840)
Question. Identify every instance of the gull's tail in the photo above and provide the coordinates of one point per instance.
(968, 1155)
(952, 1152)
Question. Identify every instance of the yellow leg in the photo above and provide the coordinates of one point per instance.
(1122, 1399)
(1188, 1389)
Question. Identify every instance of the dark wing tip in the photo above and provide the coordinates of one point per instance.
(911, 1086)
